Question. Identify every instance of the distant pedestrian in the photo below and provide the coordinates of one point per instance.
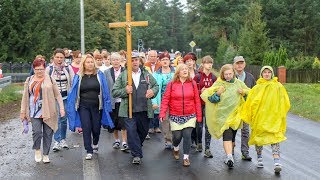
(266, 110)
(40, 92)
(224, 100)
(239, 64)
(63, 74)
(112, 75)
(143, 89)
(182, 100)
(89, 104)
(163, 76)
(152, 62)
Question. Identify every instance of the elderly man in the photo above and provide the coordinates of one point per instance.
(143, 89)
(152, 62)
(239, 64)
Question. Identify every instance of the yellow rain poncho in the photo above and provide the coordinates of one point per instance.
(265, 110)
(226, 113)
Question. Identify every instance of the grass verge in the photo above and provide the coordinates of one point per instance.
(304, 99)
(10, 93)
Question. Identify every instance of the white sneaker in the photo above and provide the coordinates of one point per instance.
(37, 155)
(260, 163)
(46, 159)
(56, 146)
(63, 143)
(89, 156)
(229, 162)
(95, 148)
(277, 167)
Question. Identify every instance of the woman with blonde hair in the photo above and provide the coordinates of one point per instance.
(223, 103)
(181, 99)
(89, 104)
(40, 92)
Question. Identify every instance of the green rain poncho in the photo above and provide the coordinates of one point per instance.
(226, 113)
(265, 110)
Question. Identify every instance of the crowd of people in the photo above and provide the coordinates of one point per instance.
(179, 98)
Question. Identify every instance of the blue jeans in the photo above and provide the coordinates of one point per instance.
(137, 130)
(154, 122)
(62, 124)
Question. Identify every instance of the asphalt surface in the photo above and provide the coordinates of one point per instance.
(299, 157)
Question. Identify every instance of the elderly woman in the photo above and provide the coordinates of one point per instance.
(89, 102)
(223, 102)
(265, 110)
(40, 92)
(182, 100)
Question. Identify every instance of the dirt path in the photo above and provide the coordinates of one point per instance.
(9, 110)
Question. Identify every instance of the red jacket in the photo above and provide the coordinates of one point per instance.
(181, 100)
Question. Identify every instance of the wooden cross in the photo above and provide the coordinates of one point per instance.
(128, 24)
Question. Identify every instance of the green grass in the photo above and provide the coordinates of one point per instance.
(10, 93)
(305, 100)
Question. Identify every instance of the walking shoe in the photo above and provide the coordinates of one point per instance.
(45, 159)
(56, 146)
(95, 148)
(116, 145)
(37, 155)
(168, 146)
(124, 147)
(229, 162)
(246, 157)
(260, 163)
(63, 144)
(88, 156)
(207, 153)
(136, 160)
(147, 137)
(199, 148)
(176, 154)
(157, 130)
(277, 167)
(186, 162)
(151, 131)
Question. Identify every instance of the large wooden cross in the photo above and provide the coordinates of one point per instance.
(128, 24)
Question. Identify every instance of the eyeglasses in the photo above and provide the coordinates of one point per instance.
(39, 69)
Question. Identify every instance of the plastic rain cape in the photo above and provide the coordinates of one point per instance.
(226, 113)
(265, 110)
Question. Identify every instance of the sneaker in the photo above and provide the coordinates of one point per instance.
(199, 148)
(116, 145)
(157, 130)
(147, 137)
(136, 160)
(229, 162)
(45, 159)
(186, 162)
(260, 163)
(63, 144)
(37, 155)
(246, 157)
(207, 153)
(88, 156)
(95, 148)
(176, 154)
(277, 167)
(56, 146)
(124, 147)
(168, 146)
(151, 131)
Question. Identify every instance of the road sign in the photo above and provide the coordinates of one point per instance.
(192, 44)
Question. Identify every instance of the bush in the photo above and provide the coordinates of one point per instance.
(316, 63)
(276, 59)
(300, 62)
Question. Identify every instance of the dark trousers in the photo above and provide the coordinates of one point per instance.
(229, 135)
(41, 131)
(137, 130)
(90, 118)
(154, 123)
(186, 135)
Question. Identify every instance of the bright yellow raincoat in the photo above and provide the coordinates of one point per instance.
(226, 113)
(266, 110)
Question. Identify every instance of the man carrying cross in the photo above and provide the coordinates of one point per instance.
(144, 88)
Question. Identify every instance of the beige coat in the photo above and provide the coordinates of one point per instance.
(50, 93)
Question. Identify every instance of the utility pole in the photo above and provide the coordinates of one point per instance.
(82, 27)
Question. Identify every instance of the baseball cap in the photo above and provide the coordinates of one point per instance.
(238, 59)
(134, 54)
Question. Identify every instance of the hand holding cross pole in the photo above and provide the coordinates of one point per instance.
(128, 24)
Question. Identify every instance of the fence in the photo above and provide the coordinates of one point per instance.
(5, 81)
(303, 76)
(17, 67)
(17, 77)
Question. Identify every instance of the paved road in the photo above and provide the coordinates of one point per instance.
(300, 158)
